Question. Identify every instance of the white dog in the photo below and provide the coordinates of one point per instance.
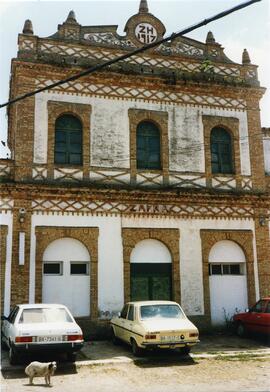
(40, 369)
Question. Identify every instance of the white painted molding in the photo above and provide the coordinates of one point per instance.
(21, 247)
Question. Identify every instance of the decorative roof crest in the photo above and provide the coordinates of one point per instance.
(71, 18)
(143, 9)
(245, 57)
(210, 39)
(28, 27)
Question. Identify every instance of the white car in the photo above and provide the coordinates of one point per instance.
(154, 324)
(41, 327)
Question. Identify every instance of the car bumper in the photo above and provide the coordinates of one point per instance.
(151, 345)
(55, 347)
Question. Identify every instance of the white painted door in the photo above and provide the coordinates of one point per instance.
(227, 281)
(66, 276)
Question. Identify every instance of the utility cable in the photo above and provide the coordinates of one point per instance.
(133, 53)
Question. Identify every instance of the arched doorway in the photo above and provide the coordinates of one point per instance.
(66, 275)
(150, 271)
(227, 281)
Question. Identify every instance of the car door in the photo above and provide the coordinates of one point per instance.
(264, 319)
(255, 319)
(130, 322)
(120, 326)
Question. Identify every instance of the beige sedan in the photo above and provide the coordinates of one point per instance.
(154, 324)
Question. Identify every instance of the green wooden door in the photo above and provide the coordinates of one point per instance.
(151, 281)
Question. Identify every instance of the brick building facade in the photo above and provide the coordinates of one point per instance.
(149, 179)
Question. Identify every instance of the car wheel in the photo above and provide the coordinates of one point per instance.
(241, 330)
(185, 350)
(136, 350)
(13, 357)
(71, 357)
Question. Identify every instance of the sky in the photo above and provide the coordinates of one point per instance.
(248, 28)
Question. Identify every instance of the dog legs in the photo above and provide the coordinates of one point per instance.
(48, 379)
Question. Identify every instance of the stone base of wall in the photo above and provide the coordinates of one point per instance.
(101, 330)
(203, 323)
(94, 330)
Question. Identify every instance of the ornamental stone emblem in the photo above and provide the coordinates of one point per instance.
(146, 33)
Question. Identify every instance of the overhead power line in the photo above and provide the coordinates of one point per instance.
(133, 53)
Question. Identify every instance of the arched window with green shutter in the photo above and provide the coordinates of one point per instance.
(148, 146)
(68, 140)
(221, 151)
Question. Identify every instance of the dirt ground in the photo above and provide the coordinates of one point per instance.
(232, 374)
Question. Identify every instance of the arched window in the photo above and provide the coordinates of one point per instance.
(221, 151)
(68, 140)
(148, 146)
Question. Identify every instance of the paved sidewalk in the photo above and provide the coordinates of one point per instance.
(104, 352)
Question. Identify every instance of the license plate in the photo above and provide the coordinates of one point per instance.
(174, 338)
(49, 339)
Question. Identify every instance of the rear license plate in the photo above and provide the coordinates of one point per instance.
(174, 338)
(49, 339)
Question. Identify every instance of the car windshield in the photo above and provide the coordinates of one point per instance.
(161, 311)
(45, 315)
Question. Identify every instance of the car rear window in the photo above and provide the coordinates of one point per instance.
(45, 315)
(161, 311)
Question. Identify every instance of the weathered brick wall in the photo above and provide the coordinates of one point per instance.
(256, 143)
(263, 252)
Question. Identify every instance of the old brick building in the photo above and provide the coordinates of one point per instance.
(149, 179)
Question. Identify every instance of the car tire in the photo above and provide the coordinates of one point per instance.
(185, 350)
(71, 357)
(136, 350)
(13, 357)
(241, 330)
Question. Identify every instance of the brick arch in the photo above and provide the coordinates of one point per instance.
(160, 119)
(244, 238)
(82, 112)
(169, 237)
(231, 125)
(88, 237)
(70, 113)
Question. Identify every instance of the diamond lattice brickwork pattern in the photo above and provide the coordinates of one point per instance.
(6, 204)
(105, 55)
(173, 210)
(126, 92)
(187, 181)
(223, 183)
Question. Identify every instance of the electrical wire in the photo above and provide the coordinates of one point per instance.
(135, 52)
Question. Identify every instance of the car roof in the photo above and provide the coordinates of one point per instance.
(36, 306)
(141, 303)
